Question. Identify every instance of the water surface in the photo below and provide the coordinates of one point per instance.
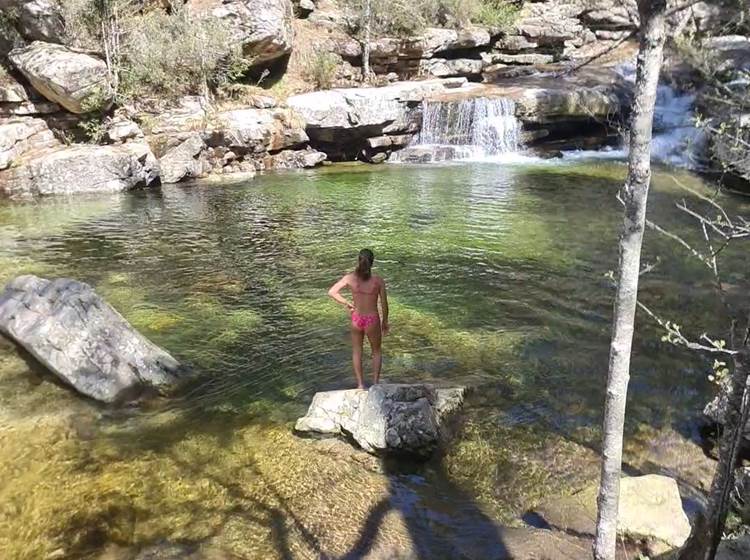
(497, 281)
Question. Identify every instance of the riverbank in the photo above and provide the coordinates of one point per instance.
(66, 128)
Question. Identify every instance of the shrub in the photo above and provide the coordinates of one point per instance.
(175, 54)
(402, 18)
(93, 129)
(151, 51)
(500, 14)
(321, 69)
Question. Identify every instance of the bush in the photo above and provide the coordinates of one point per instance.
(321, 69)
(403, 18)
(499, 14)
(152, 51)
(174, 54)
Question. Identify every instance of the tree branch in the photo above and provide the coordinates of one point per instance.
(675, 336)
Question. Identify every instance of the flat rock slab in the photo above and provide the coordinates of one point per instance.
(386, 419)
(80, 338)
(650, 507)
(80, 168)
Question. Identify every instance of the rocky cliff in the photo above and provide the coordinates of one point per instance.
(54, 93)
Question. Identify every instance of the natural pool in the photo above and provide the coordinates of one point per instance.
(497, 281)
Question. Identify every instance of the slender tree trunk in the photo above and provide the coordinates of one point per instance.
(366, 41)
(707, 532)
(634, 195)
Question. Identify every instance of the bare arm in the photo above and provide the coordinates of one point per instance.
(335, 292)
(384, 305)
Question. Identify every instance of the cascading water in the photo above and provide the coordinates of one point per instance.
(676, 140)
(465, 129)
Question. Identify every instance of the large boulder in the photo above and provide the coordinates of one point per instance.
(257, 130)
(75, 80)
(396, 419)
(75, 334)
(650, 508)
(18, 100)
(184, 161)
(81, 168)
(262, 27)
(21, 135)
(37, 20)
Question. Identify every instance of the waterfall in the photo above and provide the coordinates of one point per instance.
(676, 140)
(465, 129)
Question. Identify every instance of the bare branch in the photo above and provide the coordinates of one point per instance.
(697, 254)
(675, 336)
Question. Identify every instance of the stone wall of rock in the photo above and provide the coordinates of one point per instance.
(192, 140)
(544, 32)
(356, 123)
(370, 123)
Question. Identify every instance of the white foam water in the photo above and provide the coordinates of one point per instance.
(676, 140)
(466, 129)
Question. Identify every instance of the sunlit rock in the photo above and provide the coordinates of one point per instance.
(650, 508)
(385, 419)
(75, 334)
(21, 135)
(75, 80)
(184, 161)
(80, 168)
(262, 27)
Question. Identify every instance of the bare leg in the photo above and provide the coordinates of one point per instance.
(358, 338)
(375, 337)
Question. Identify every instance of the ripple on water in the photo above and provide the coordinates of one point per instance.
(496, 278)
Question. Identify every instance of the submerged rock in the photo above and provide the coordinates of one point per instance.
(75, 80)
(397, 419)
(75, 334)
(650, 507)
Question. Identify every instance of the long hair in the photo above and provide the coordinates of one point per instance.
(364, 264)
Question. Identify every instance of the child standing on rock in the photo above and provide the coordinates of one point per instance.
(367, 289)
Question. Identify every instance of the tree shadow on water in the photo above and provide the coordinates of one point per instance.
(442, 520)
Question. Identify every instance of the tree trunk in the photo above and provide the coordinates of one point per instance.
(707, 532)
(366, 40)
(634, 195)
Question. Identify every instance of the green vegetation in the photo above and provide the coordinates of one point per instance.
(321, 69)
(152, 52)
(499, 14)
(404, 18)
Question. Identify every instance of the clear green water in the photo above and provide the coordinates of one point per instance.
(496, 280)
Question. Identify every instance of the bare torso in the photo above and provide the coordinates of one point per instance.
(365, 293)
